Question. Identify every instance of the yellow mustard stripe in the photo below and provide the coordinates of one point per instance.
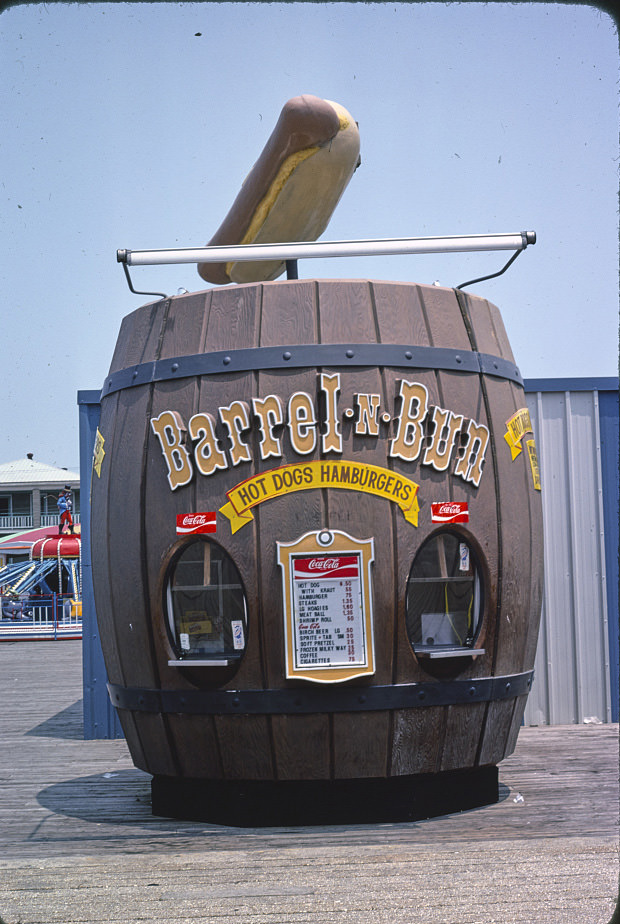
(269, 199)
(341, 112)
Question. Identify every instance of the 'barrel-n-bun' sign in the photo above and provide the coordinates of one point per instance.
(432, 435)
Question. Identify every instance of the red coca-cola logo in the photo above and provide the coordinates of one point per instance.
(204, 522)
(450, 512)
(343, 566)
(195, 519)
(323, 564)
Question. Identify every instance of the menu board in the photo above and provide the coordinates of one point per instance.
(327, 606)
(328, 616)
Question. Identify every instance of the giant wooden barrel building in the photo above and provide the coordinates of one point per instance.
(317, 549)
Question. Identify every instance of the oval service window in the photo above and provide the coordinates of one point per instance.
(444, 598)
(206, 605)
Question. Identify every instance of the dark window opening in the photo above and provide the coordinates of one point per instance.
(444, 598)
(206, 607)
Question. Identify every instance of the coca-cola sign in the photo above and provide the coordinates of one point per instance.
(323, 564)
(188, 523)
(340, 566)
(450, 512)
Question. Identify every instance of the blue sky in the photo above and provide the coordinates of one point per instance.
(133, 126)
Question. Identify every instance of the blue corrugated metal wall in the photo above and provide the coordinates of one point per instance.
(100, 717)
(576, 428)
(609, 411)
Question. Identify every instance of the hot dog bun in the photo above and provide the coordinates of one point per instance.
(292, 189)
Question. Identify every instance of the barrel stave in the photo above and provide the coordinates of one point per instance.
(361, 741)
(418, 740)
(301, 744)
(464, 725)
(519, 516)
(361, 744)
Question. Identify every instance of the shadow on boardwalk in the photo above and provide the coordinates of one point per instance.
(68, 723)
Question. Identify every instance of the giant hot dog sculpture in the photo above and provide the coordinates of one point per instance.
(292, 189)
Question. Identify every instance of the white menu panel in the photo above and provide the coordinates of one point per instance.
(328, 615)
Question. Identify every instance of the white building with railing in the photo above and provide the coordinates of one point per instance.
(29, 493)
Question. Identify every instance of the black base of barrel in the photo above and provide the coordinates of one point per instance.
(258, 803)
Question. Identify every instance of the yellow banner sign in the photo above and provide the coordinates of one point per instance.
(98, 453)
(531, 448)
(518, 425)
(351, 476)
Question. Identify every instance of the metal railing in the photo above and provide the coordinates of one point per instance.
(51, 519)
(54, 613)
(16, 521)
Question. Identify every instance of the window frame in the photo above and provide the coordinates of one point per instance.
(183, 658)
(479, 578)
